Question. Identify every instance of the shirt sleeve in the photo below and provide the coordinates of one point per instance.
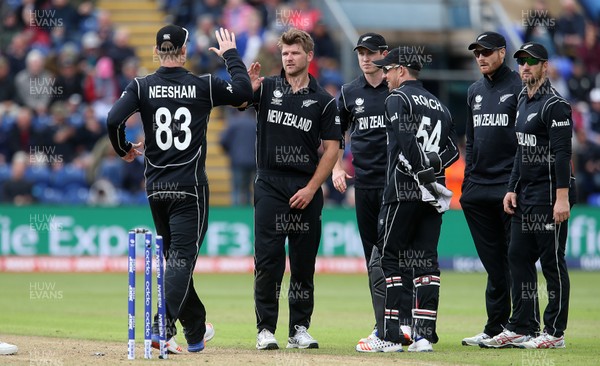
(469, 139)
(560, 131)
(344, 115)
(330, 122)
(127, 105)
(240, 89)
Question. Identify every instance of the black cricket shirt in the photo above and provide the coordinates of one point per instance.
(416, 123)
(491, 143)
(361, 109)
(175, 106)
(544, 128)
(290, 126)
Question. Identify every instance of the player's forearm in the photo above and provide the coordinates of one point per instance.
(326, 164)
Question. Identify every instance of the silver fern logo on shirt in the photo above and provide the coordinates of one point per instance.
(360, 108)
(504, 98)
(308, 102)
(530, 116)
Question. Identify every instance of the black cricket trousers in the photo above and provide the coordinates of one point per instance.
(181, 217)
(490, 229)
(274, 221)
(408, 237)
(368, 203)
(535, 236)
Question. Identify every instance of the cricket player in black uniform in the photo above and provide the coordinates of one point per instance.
(540, 194)
(361, 109)
(175, 106)
(421, 144)
(490, 153)
(294, 114)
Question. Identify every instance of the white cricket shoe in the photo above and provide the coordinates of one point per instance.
(420, 345)
(209, 333)
(378, 345)
(373, 335)
(544, 340)
(8, 349)
(302, 339)
(506, 339)
(475, 340)
(172, 346)
(266, 340)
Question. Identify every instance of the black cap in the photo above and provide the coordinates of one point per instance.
(401, 56)
(372, 41)
(489, 40)
(171, 33)
(534, 50)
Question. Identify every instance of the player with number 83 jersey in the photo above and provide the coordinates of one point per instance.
(175, 106)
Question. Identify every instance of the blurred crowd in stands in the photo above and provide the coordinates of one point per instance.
(64, 63)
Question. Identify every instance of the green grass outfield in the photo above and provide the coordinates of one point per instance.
(93, 306)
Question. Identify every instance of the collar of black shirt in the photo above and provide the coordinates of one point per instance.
(502, 71)
(171, 70)
(543, 90)
(312, 83)
(366, 84)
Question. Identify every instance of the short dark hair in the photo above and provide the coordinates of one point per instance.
(297, 36)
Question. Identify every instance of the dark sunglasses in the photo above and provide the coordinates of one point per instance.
(531, 61)
(486, 52)
(389, 67)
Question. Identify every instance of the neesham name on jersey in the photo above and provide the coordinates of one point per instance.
(289, 119)
(490, 119)
(172, 91)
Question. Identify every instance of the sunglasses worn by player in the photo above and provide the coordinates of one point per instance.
(531, 61)
(486, 52)
(389, 67)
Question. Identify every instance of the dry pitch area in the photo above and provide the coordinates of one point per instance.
(34, 351)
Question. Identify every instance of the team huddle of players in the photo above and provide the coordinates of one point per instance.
(402, 140)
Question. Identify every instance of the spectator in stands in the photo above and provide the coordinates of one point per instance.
(238, 140)
(90, 50)
(18, 190)
(7, 85)
(17, 53)
(540, 26)
(324, 43)
(9, 26)
(203, 38)
(34, 85)
(70, 79)
(212, 8)
(580, 84)
(558, 82)
(105, 28)
(102, 88)
(120, 49)
(269, 55)
(304, 16)
(21, 135)
(570, 29)
(88, 134)
(589, 51)
(236, 15)
(250, 41)
(589, 164)
(129, 70)
(59, 136)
